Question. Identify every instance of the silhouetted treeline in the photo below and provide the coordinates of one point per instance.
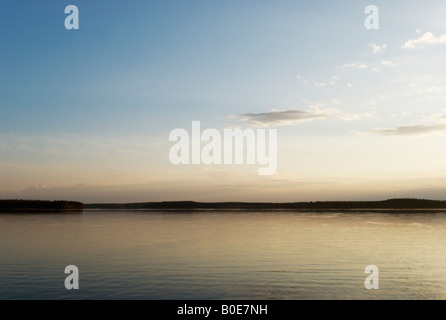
(391, 204)
(39, 205)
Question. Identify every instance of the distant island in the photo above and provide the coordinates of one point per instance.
(39, 206)
(391, 204)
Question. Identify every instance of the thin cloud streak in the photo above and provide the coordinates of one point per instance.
(356, 65)
(414, 130)
(281, 117)
(290, 117)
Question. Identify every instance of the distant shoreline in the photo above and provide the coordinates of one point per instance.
(391, 205)
(36, 206)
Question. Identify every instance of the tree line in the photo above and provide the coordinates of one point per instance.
(40, 205)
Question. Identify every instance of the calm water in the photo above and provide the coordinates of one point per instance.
(223, 255)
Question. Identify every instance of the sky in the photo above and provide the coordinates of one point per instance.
(85, 114)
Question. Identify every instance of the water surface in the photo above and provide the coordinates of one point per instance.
(223, 255)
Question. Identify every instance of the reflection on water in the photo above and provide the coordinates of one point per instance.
(223, 255)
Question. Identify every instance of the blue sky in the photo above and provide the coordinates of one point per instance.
(91, 109)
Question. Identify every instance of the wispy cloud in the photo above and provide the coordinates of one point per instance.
(388, 63)
(402, 114)
(276, 117)
(433, 89)
(376, 49)
(427, 39)
(303, 80)
(413, 130)
(336, 102)
(356, 65)
(289, 117)
(345, 116)
(72, 147)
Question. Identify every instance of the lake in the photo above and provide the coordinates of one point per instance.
(223, 255)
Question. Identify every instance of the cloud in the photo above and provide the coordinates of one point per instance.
(426, 39)
(433, 89)
(414, 130)
(35, 187)
(221, 187)
(387, 63)
(303, 80)
(356, 65)
(350, 116)
(400, 115)
(336, 102)
(276, 117)
(75, 147)
(377, 48)
(289, 117)
(334, 79)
